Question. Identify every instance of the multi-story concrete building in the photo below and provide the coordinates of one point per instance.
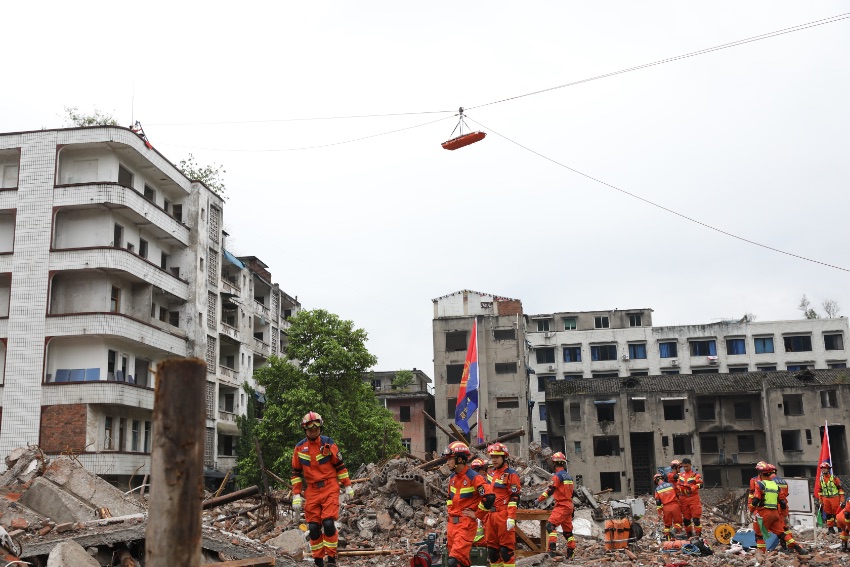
(503, 394)
(620, 343)
(409, 404)
(617, 431)
(111, 260)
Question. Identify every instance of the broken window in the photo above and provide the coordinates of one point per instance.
(451, 406)
(404, 414)
(705, 410)
(711, 477)
(736, 346)
(454, 373)
(638, 405)
(135, 435)
(572, 353)
(543, 325)
(107, 434)
(150, 194)
(604, 412)
(743, 410)
(603, 352)
(792, 404)
(682, 445)
(637, 351)
(569, 323)
(704, 348)
(125, 178)
(545, 355)
(764, 345)
(800, 343)
(709, 444)
(575, 411)
(634, 320)
(791, 440)
(833, 342)
(668, 350)
(506, 368)
(610, 480)
(507, 403)
(606, 446)
(504, 334)
(600, 322)
(674, 410)
(746, 443)
(455, 341)
(828, 399)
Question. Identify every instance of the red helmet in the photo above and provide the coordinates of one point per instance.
(766, 468)
(558, 457)
(311, 420)
(477, 464)
(498, 450)
(760, 465)
(657, 477)
(825, 465)
(675, 463)
(457, 449)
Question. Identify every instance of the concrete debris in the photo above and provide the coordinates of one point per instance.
(70, 554)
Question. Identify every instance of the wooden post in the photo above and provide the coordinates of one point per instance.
(173, 533)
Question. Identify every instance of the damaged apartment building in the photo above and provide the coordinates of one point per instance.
(111, 260)
(617, 431)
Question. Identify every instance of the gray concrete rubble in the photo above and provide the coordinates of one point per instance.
(71, 554)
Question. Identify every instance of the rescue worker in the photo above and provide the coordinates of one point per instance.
(479, 466)
(689, 485)
(318, 472)
(561, 488)
(469, 499)
(499, 527)
(667, 504)
(767, 503)
(673, 475)
(830, 494)
(843, 521)
(784, 513)
(752, 489)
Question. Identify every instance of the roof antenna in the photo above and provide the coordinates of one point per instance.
(133, 104)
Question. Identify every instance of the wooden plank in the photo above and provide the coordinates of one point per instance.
(522, 536)
(253, 562)
(529, 514)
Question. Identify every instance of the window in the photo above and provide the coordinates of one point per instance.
(569, 323)
(174, 318)
(542, 411)
(682, 445)
(808, 436)
(404, 414)
(455, 341)
(766, 368)
(833, 342)
(454, 373)
(147, 441)
(606, 375)
(575, 412)
(125, 178)
(798, 367)
(545, 355)
(558, 415)
(150, 194)
(792, 404)
(603, 352)
(107, 434)
(709, 444)
(111, 357)
(143, 372)
(505, 368)
(674, 410)
(610, 480)
(577, 447)
(135, 435)
(738, 369)
(638, 405)
(668, 350)
(143, 248)
(801, 343)
(163, 313)
(166, 206)
(573, 376)
(764, 345)
(838, 365)
(791, 440)
(118, 236)
(163, 260)
(122, 426)
(706, 411)
(604, 412)
(10, 176)
(504, 334)
(634, 320)
(711, 477)
(177, 212)
(541, 382)
(543, 325)
(705, 371)
(451, 406)
(572, 354)
(639, 373)
(115, 300)
(637, 351)
(600, 322)
(670, 372)
(606, 446)
(406, 443)
(743, 410)
(507, 403)
(703, 348)
(746, 443)
(736, 346)
(828, 399)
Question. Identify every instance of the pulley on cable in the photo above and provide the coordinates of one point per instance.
(463, 139)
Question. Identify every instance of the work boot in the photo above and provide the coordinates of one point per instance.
(800, 550)
(331, 560)
(570, 553)
(319, 562)
(844, 545)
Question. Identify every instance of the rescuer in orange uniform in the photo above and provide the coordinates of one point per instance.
(752, 489)
(690, 483)
(561, 487)
(830, 494)
(767, 502)
(843, 521)
(673, 475)
(505, 485)
(317, 472)
(479, 466)
(667, 504)
(469, 499)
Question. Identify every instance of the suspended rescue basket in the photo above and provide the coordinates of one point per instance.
(463, 139)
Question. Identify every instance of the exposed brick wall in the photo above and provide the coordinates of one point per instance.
(63, 428)
(511, 307)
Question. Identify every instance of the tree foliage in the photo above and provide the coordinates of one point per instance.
(831, 308)
(245, 450)
(324, 373)
(403, 379)
(806, 309)
(211, 175)
(73, 117)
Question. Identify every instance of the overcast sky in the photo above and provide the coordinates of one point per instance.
(752, 139)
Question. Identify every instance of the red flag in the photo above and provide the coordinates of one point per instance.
(825, 453)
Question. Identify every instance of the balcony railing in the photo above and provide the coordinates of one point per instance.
(261, 347)
(226, 416)
(230, 287)
(229, 331)
(262, 309)
(228, 374)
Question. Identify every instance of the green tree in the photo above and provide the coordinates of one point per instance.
(324, 373)
(403, 379)
(73, 117)
(246, 453)
(211, 175)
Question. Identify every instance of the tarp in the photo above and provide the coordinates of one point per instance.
(234, 260)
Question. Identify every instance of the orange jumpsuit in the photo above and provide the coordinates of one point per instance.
(690, 483)
(831, 495)
(767, 501)
(667, 503)
(750, 492)
(673, 477)
(317, 472)
(467, 491)
(843, 521)
(501, 542)
(561, 487)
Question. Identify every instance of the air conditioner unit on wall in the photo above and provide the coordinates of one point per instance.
(712, 360)
(625, 357)
(547, 335)
(674, 362)
(551, 368)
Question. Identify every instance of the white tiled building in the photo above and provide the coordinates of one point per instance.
(621, 343)
(111, 260)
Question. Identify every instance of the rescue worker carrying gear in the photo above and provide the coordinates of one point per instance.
(752, 489)
(690, 483)
(784, 513)
(673, 475)
(469, 499)
(767, 502)
(561, 487)
(843, 521)
(499, 527)
(830, 494)
(667, 505)
(318, 471)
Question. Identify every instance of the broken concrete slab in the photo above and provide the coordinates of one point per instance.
(292, 542)
(70, 554)
(75, 479)
(51, 501)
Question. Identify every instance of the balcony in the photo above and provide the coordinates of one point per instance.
(228, 375)
(230, 287)
(229, 331)
(114, 463)
(137, 208)
(167, 341)
(100, 392)
(224, 463)
(262, 310)
(262, 348)
(226, 416)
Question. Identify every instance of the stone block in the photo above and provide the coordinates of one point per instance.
(49, 500)
(70, 554)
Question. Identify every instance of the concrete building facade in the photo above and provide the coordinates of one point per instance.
(409, 404)
(503, 394)
(111, 260)
(617, 431)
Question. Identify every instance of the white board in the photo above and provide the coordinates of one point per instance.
(799, 497)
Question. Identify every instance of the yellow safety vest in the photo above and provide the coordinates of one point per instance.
(828, 488)
(771, 495)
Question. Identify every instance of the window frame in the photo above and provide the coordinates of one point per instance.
(601, 322)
